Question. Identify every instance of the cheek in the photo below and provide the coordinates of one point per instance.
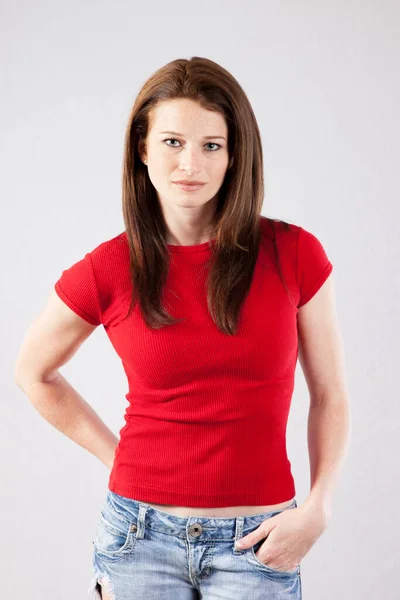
(160, 171)
(219, 173)
(158, 179)
(222, 165)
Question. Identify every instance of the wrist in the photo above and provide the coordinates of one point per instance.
(318, 504)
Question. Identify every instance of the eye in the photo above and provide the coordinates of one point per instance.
(175, 140)
(169, 140)
(214, 144)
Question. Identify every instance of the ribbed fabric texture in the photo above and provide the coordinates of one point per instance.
(207, 414)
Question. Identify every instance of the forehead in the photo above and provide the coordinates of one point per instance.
(187, 117)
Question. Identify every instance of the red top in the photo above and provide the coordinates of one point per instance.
(207, 415)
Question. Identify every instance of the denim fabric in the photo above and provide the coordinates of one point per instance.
(143, 553)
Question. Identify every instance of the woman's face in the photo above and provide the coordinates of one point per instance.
(197, 150)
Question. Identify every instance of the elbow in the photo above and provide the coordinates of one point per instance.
(18, 377)
(20, 380)
(24, 380)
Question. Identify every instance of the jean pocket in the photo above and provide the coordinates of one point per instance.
(256, 562)
(115, 534)
(267, 568)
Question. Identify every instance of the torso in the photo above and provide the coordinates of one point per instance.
(230, 511)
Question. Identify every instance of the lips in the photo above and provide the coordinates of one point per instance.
(186, 182)
(190, 187)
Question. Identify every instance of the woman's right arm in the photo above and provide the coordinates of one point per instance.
(51, 341)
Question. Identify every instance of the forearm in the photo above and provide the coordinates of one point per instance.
(64, 408)
(328, 433)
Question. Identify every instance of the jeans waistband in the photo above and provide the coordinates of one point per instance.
(144, 515)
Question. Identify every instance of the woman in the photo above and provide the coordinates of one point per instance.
(209, 305)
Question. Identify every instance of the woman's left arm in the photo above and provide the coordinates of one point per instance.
(291, 533)
(321, 355)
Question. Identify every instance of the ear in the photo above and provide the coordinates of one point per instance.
(142, 150)
(230, 163)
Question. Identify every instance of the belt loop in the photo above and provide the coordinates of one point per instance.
(239, 522)
(141, 523)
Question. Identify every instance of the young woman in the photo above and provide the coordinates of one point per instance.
(208, 304)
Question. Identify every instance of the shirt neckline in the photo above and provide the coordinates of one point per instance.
(194, 248)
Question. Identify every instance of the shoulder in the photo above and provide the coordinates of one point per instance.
(111, 244)
(271, 227)
(292, 239)
(114, 249)
(110, 262)
(279, 233)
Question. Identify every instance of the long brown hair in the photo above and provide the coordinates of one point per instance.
(237, 231)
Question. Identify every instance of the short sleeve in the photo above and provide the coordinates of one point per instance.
(78, 290)
(313, 265)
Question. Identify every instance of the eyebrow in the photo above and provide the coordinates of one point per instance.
(206, 137)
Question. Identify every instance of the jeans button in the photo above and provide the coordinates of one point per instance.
(195, 530)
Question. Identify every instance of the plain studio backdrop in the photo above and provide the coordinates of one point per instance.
(323, 80)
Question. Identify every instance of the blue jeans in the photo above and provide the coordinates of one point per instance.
(141, 553)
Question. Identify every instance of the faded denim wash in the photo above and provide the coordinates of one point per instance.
(140, 553)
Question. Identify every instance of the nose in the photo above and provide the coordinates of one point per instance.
(190, 160)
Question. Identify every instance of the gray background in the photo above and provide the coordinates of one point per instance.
(323, 79)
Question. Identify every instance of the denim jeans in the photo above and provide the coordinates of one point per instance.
(143, 553)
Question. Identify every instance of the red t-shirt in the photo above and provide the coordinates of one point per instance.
(207, 415)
